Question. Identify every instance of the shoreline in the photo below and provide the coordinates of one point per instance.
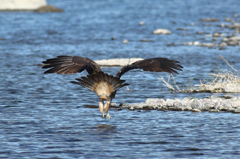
(212, 104)
(40, 6)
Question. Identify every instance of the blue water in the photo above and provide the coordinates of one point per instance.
(44, 116)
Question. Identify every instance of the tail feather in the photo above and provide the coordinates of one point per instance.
(118, 84)
(115, 81)
(86, 80)
(110, 79)
(91, 79)
(83, 85)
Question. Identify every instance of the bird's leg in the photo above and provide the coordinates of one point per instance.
(106, 108)
(108, 116)
(101, 107)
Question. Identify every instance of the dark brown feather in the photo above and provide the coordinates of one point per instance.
(153, 65)
(74, 64)
(89, 82)
(70, 65)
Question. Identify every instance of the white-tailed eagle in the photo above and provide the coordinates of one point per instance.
(104, 85)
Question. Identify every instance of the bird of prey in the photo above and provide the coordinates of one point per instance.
(103, 84)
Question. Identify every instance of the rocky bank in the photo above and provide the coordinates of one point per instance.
(27, 5)
(213, 104)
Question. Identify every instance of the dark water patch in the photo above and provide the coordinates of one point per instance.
(151, 143)
(187, 149)
(90, 106)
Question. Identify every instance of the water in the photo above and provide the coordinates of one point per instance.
(44, 116)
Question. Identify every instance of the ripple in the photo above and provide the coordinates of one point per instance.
(45, 116)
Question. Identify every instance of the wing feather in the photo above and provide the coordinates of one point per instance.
(65, 64)
(153, 65)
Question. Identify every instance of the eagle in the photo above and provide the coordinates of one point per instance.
(103, 84)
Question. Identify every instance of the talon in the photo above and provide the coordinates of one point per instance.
(103, 115)
(108, 116)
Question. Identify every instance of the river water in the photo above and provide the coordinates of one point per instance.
(45, 116)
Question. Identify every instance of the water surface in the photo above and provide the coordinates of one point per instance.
(43, 116)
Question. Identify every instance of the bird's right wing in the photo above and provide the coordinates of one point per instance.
(70, 64)
(153, 65)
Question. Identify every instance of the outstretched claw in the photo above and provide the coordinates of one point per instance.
(103, 115)
(108, 116)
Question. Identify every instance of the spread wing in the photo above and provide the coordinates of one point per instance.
(153, 65)
(70, 64)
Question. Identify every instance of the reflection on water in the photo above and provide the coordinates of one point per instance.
(91, 106)
(106, 127)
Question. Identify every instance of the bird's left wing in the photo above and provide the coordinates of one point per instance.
(70, 64)
(153, 65)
